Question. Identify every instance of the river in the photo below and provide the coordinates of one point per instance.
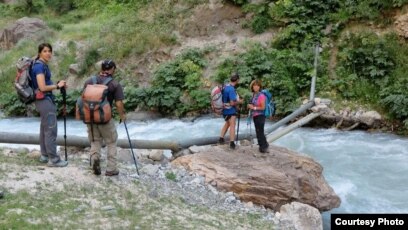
(367, 170)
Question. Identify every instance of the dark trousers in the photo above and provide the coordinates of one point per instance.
(259, 122)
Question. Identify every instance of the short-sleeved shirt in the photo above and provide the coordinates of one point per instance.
(40, 67)
(228, 95)
(257, 100)
(114, 87)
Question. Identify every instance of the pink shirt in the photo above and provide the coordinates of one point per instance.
(257, 104)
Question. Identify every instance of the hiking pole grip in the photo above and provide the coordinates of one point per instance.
(131, 148)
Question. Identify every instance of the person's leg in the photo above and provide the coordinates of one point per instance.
(110, 136)
(259, 122)
(95, 138)
(49, 121)
(44, 156)
(224, 128)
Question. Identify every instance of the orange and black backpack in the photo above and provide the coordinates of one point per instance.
(93, 106)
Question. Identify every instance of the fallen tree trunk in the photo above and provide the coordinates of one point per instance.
(278, 134)
(290, 117)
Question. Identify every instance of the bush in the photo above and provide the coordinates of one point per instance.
(177, 87)
(12, 106)
(364, 64)
(61, 7)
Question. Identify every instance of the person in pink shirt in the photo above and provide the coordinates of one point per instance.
(257, 107)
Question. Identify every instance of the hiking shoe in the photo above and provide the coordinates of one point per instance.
(232, 145)
(265, 150)
(96, 167)
(221, 141)
(43, 159)
(60, 163)
(112, 173)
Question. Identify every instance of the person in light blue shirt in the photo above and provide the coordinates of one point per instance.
(231, 100)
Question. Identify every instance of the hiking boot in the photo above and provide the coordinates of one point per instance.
(265, 150)
(232, 145)
(112, 173)
(221, 141)
(96, 167)
(60, 163)
(43, 159)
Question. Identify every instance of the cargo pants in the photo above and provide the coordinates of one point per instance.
(48, 128)
(107, 133)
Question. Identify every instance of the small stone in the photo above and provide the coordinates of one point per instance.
(108, 208)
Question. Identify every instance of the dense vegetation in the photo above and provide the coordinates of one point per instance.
(369, 71)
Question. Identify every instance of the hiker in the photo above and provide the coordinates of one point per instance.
(231, 100)
(106, 132)
(257, 107)
(45, 105)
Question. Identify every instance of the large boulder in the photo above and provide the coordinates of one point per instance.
(24, 28)
(298, 216)
(274, 179)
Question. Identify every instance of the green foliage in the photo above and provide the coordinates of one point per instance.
(372, 68)
(171, 176)
(261, 20)
(365, 54)
(293, 15)
(91, 57)
(366, 10)
(176, 87)
(55, 25)
(61, 7)
(364, 65)
(238, 2)
(11, 105)
(6, 10)
(28, 7)
(72, 96)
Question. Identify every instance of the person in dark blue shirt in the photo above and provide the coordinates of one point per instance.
(45, 104)
(231, 100)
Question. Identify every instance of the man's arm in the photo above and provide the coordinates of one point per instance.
(121, 110)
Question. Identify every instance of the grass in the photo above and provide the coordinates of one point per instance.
(81, 202)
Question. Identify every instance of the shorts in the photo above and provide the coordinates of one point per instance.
(227, 117)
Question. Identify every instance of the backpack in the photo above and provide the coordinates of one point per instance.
(23, 82)
(216, 99)
(93, 107)
(270, 106)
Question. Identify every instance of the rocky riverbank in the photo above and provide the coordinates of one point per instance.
(160, 178)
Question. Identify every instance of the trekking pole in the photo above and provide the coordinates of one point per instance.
(250, 128)
(239, 118)
(131, 148)
(64, 114)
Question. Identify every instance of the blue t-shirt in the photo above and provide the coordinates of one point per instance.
(229, 95)
(40, 67)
